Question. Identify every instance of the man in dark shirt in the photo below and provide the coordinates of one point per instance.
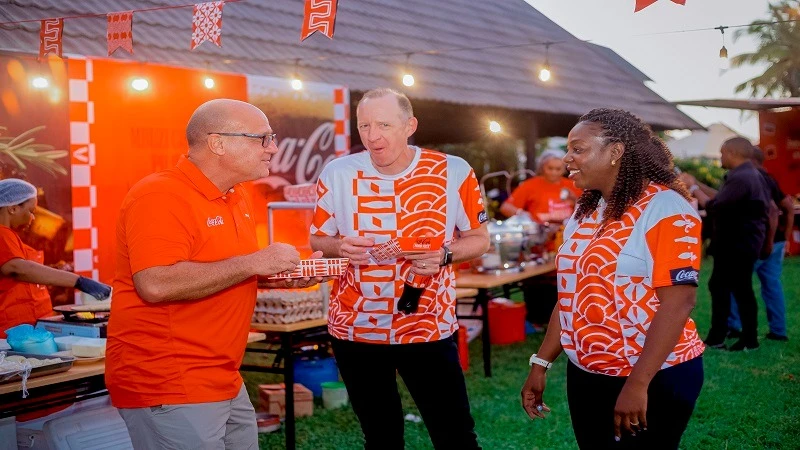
(769, 269)
(739, 222)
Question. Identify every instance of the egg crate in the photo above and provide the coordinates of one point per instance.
(278, 306)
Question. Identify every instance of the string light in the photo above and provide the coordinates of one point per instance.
(297, 83)
(408, 78)
(494, 126)
(140, 84)
(724, 63)
(544, 73)
(40, 82)
(209, 83)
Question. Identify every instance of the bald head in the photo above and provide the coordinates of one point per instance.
(739, 147)
(220, 115)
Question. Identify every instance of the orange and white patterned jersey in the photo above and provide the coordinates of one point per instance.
(435, 195)
(607, 283)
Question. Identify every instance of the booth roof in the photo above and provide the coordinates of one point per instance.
(262, 38)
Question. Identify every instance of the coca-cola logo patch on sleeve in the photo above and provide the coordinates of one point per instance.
(684, 275)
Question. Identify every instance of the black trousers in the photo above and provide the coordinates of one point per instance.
(541, 296)
(433, 375)
(670, 401)
(732, 275)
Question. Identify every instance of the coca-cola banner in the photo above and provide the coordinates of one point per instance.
(306, 121)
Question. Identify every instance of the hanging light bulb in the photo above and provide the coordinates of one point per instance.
(724, 62)
(545, 73)
(40, 82)
(140, 84)
(209, 83)
(494, 126)
(408, 78)
(297, 83)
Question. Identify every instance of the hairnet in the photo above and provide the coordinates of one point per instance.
(547, 155)
(14, 191)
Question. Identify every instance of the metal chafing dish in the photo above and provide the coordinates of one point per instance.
(506, 253)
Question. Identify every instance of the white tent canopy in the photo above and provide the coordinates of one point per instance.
(702, 144)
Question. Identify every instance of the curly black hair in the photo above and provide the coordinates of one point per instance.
(646, 158)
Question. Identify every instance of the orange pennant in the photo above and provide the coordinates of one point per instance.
(120, 31)
(319, 15)
(642, 4)
(50, 37)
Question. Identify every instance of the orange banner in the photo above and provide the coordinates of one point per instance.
(319, 15)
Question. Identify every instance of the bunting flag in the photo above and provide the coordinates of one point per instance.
(318, 15)
(642, 4)
(120, 31)
(50, 37)
(207, 23)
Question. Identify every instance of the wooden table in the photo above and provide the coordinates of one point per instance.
(80, 382)
(289, 335)
(482, 282)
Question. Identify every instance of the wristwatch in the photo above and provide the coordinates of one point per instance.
(539, 361)
(448, 256)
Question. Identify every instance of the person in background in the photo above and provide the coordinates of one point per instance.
(547, 197)
(769, 269)
(739, 216)
(188, 267)
(379, 325)
(627, 281)
(23, 278)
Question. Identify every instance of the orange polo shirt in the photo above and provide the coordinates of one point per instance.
(185, 351)
(543, 199)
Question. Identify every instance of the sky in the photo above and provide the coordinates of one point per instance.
(683, 66)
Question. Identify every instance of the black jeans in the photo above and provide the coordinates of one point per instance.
(433, 375)
(732, 275)
(671, 397)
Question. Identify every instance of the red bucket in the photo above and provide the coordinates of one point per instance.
(506, 322)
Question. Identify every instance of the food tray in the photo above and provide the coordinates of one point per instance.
(41, 371)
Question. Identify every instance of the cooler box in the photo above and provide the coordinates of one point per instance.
(506, 321)
(273, 399)
(95, 429)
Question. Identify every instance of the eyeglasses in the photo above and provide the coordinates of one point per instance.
(266, 138)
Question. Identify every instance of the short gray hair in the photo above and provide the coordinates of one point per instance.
(402, 100)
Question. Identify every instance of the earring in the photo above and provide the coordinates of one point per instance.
(613, 162)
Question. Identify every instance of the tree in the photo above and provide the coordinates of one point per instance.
(778, 48)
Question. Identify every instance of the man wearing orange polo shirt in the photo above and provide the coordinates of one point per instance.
(188, 266)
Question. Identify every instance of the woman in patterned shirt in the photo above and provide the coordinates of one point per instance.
(627, 280)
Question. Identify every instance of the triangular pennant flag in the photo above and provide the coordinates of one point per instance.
(207, 23)
(319, 15)
(120, 31)
(50, 37)
(642, 4)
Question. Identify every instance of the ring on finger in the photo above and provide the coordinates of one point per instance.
(422, 264)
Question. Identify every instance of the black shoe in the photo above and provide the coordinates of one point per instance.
(777, 337)
(714, 343)
(734, 334)
(741, 344)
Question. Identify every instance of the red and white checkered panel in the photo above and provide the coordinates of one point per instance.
(321, 267)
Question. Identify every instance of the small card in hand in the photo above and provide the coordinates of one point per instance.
(386, 251)
(397, 246)
(310, 268)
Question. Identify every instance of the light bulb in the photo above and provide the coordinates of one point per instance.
(297, 84)
(408, 80)
(494, 127)
(140, 84)
(209, 83)
(545, 74)
(40, 82)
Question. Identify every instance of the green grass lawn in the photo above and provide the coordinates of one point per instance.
(749, 400)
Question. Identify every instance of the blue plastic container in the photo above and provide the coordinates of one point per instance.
(312, 372)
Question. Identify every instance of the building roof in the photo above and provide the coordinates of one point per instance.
(262, 37)
(702, 143)
(754, 104)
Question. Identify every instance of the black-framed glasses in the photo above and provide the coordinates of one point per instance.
(266, 138)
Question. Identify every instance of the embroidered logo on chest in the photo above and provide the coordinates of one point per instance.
(214, 221)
